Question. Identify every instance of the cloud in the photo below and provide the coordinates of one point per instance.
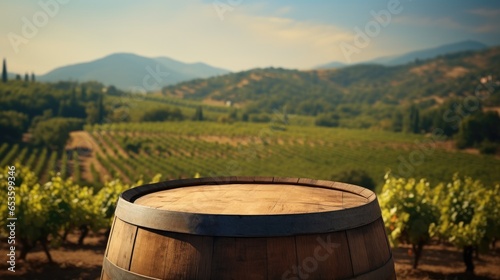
(486, 28)
(445, 22)
(491, 25)
(485, 12)
(283, 10)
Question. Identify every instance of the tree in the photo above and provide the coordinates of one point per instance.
(356, 177)
(54, 132)
(409, 212)
(233, 115)
(26, 77)
(198, 114)
(162, 114)
(72, 107)
(328, 119)
(18, 77)
(12, 124)
(4, 71)
(32, 77)
(245, 117)
(478, 128)
(411, 123)
(96, 111)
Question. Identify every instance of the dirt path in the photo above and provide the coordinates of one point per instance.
(87, 150)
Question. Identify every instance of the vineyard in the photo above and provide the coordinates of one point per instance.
(75, 189)
(131, 151)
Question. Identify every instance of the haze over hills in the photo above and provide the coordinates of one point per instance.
(130, 71)
(312, 92)
(467, 45)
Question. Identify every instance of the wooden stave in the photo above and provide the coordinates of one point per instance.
(383, 271)
(387, 270)
(113, 271)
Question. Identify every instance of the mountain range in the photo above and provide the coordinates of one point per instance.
(431, 81)
(133, 72)
(467, 45)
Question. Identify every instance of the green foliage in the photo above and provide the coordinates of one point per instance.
(412, 120)
(41, 210)
(397, 121)
(105, 201)
(329, 120)
(76, 174)
(4, 71)
(12, 125)
(470, 217)
(31, 209)
(259, 118)
(409, 212)
(198, 115)
(478, 128)
(488, 147)
(469, 211)
(379, 90)
(96, 112)
(44, 211)
(356, 177)
(162, 114)
(183, 148)
(54, 132)
(464, 212)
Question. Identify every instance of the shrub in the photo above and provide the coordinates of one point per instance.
(356, 177)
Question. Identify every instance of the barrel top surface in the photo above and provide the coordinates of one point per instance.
(252, 199)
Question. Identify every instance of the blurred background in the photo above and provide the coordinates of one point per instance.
(401, 97)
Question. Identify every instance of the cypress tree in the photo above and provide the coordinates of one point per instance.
(100, 109)
(198, 115)
(26, 77)
(18, 77)
(32, 77)
(4, 71)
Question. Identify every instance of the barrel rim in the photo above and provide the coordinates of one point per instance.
(132, 194)
(252, 225)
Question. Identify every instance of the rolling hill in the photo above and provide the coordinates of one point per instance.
(130, 71)
(429, 53)
(316, 91)
(468, 45)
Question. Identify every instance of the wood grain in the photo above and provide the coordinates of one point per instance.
(247, 199)
(330, 252)
(239, 258)
(122, 243)
(248, 228)
(173, 255)
(281, 256)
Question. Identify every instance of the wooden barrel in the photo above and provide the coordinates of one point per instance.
(248, 228)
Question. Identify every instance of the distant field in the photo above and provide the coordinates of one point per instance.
(136, 105)
(183, 149)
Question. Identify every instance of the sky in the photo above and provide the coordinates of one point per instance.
(38, 36)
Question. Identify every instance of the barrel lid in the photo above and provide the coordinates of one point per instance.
(248, 206)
